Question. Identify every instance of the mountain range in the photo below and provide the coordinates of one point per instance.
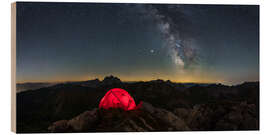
(73, 107)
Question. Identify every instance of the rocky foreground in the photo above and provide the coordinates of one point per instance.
(218, 116)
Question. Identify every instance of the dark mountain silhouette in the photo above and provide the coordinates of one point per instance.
(31, 86)
(196, 107)
(109, 80)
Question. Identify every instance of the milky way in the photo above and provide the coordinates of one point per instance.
(181, 50)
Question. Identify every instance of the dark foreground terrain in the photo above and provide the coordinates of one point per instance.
(166, 106)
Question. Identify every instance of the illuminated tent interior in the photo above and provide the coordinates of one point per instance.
(117, 98)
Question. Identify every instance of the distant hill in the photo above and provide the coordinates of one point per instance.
(31, 86)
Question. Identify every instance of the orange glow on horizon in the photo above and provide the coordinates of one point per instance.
(129, 79)
(186, 77)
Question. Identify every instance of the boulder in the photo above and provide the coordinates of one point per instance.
(84, 121)
(171, 120)
(182, 113)
(147, 107)
(59, 126)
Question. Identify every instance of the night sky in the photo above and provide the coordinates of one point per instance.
(182, 43)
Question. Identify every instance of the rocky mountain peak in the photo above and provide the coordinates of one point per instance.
(108, 80)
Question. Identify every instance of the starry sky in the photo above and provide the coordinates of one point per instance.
(137, 42)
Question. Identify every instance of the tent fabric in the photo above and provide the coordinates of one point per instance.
(117, 98)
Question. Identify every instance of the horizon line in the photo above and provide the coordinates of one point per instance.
(68, 81)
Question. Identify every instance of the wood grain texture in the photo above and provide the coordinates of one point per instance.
(13, 67)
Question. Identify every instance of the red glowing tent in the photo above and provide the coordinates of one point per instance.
(117, 98)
